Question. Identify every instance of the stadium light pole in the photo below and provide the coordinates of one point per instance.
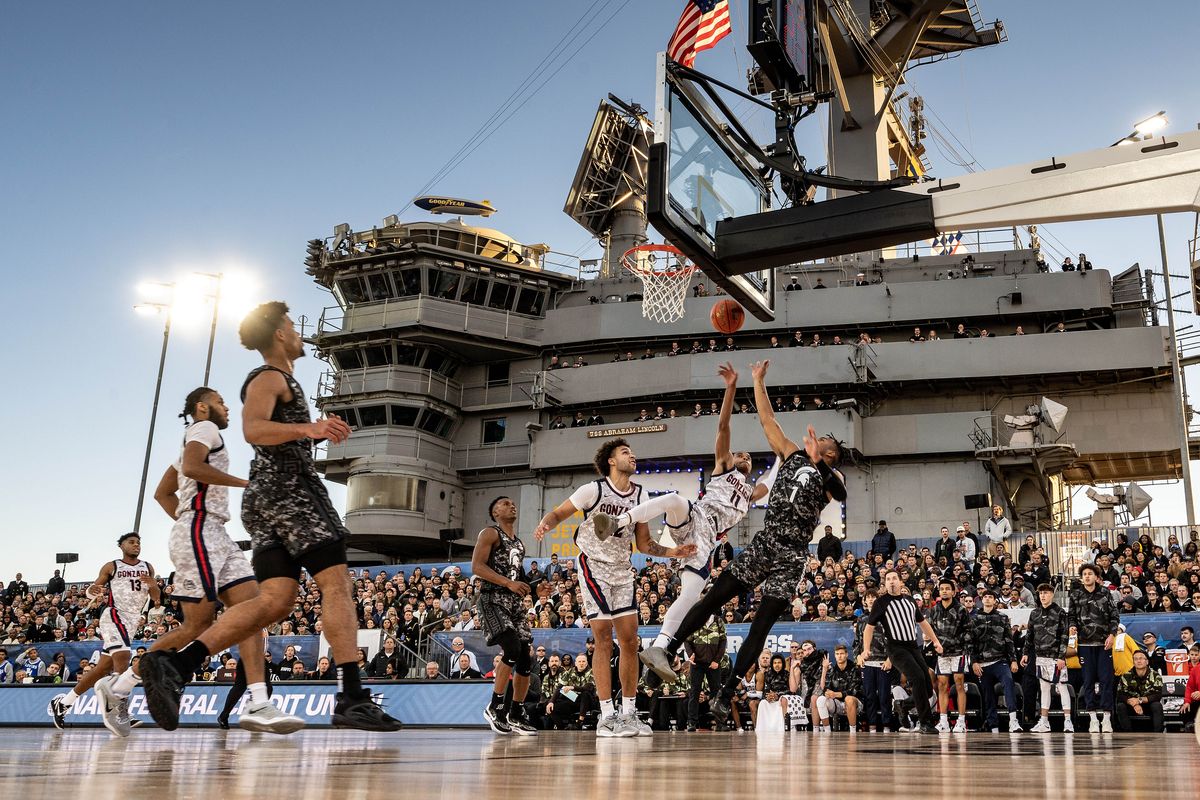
(165, 309)
(219, 277)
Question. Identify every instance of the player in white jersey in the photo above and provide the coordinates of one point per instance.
(125, 586)
(208, 565)
(607, 577)
(727, 499)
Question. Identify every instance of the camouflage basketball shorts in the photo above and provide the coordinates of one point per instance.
(290, 511)
(776, 562)
(500, 612)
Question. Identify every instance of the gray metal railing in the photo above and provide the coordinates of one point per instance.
(485, 456)
(449, 314)
(403, 444)
(411, 380)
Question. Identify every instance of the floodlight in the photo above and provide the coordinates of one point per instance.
(1137, 499)
(1150, 125)
(1053, 414)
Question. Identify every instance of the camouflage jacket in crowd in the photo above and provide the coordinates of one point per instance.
(1094, 614)
(1149, 686)
(575, 679)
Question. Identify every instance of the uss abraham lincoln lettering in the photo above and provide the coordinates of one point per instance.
(608, 432)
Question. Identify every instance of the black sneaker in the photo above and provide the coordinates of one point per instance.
(691, 727)
(928, 729)
(163, 686)
(223, 723)
(495, 720)
(59, 712)
(362, 713)
(518, 722)
(719, 706)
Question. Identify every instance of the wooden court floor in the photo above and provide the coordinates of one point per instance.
(90, 764)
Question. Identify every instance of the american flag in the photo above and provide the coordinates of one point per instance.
(702, 25)
(946, 244)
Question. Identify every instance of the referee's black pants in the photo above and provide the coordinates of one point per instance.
(907, 658)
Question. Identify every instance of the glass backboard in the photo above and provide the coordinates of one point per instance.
(700, 177)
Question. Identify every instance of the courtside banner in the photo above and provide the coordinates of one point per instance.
(418, 703)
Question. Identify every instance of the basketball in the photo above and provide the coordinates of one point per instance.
(727, 316)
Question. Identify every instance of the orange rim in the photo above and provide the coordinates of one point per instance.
(630, 262)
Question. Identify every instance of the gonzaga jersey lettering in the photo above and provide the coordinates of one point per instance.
(601, 496)
(203, 497)
(727, 496)
(129, 588)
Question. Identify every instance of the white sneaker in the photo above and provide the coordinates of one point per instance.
(1093, 723)
(960, 726)
(1068, 725)
(1106, 723)
(943, 725)
(1014, 726)
(995, 730)
(266, 718)
(638, 725)
(615, 726)
(110, 707)
(1043, 726)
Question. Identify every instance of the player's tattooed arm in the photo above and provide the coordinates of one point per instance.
(653, 549)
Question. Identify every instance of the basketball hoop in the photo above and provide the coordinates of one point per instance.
(665, 274)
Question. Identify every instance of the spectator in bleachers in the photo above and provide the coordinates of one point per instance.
(464, 670)
(884, 541)
(648, 354)
(713, 409)
(797, 340)
(1068, 265)
(575, 696)
(933, 336)
(797, 404)
(579, 362)
(698, 411)
(815, 341)
(820, 284)
(643, 416)
(861, 279)
(674, 351)
(945, 547)
(829, 546)
(659, 413)
(696, 348)
(984, 334)
(56, 584)
(775, 343)
(818, 404)
(388, 656)
(595, 419)
(699, 290)
(557, 423)
(1140, 693)
(671, 414)
(580, 421)
(916, 336)
(961, 332)
(1156, 655)
(730, 347)
(793, 285)
(1084, 264)
(713, 347)
(1020, 331)
(1191, 692)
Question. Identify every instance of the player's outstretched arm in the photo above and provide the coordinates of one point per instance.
(553, 518)
(776, 438)
(268, 388)
(165, 493)
(721, 454)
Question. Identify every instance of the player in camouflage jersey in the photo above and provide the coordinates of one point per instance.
(498, 561)
(776, 556)
(292, 525)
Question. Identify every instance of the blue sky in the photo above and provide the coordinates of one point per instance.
(148, 140)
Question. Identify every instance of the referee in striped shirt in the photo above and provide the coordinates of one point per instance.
(901, 619)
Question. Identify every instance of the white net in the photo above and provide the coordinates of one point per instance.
(665, 274)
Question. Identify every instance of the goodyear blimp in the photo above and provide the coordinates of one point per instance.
(453, 205)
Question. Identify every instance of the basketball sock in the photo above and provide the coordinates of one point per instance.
(69, 699)
(258, 692)
(192, 657)
(944, 718)
(606, 709)
(690, 587)
(348, 680)
(497, 701)
(123, 686)
(628, 705)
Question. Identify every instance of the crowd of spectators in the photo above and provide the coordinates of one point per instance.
(408, 606)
